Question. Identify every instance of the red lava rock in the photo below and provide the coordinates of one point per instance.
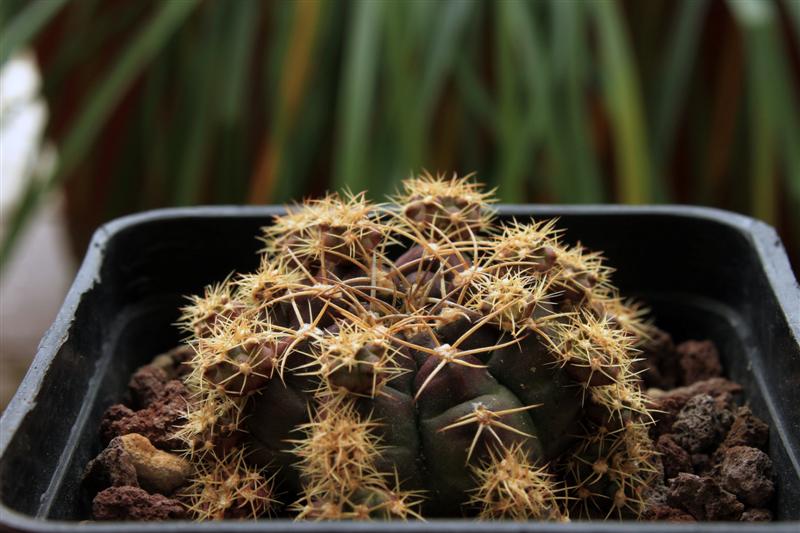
(714, 387)
(673, 457)
(756, 515)
(666, 513)
(703, 498)
(133, 503)
(659, 361)
(667, 404)
(701, 463)
(174, 361)
(114, 416)
(157, 422)
(747, 472)
(112, 468)
(699, 361)
(701, 425)
(147, 385)
(747, 430)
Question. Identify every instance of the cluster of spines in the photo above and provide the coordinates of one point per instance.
(212, 425)
(229, 488)
(611, 472)
(510, 487)
(337, 459)
(327, 290)
(358, 359)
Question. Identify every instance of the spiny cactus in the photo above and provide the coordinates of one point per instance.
(416, 359)
(227, 487)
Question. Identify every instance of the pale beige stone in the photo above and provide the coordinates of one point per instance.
(156, 470)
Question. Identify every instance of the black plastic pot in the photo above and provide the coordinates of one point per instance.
(706, 274)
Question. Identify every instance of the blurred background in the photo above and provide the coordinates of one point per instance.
(114, 106)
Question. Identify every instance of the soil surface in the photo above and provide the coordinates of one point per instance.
(713, 451)
(133, 503)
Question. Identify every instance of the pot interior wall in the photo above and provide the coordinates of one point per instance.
(701, 277)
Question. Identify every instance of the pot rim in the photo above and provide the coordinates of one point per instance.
(763, 237)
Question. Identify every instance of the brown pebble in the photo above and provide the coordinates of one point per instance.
(703, 498)
(701, 425)
(701, 463)
(674, 458)
(714, 387)
(699, 361)
(747, 472)
(111, 468)
(158, 422)
(133, 503)
(658, 362)
(147, 386)
(747, 430)
(665, 513)
(667, 404)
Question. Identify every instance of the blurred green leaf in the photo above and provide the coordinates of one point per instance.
(292, 87)
(774, 111)
(24, 26)
(155, 174)
(357, 94)
(536, 126)
(447, 40)
(104, 29)
(511, 185)
(305, 146)
(201, 93)
(757, 19)
(401, 92)
(579, 158)
(476, 95)
(238, 43)
(674, 77)
(793, 7)
(623, 96)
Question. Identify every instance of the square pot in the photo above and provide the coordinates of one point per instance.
(705, 273)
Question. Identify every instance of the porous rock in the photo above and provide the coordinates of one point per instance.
(673, 457)
(747, 472)
(158, 421)
(699, 361)
(701, 425)
(703, 498)
(134, 503)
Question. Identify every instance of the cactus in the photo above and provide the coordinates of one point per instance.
(413, 359)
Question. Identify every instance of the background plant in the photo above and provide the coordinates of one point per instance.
(184, 102)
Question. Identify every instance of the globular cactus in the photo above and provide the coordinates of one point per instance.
(417, 359)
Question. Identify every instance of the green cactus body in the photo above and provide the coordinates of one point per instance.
(389, 363)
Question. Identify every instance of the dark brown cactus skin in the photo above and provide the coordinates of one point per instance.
(275, 413)
(453, 393)
(528, 372)
(396, 415)
(455, 323)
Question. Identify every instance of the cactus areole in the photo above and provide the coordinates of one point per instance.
(416, 359)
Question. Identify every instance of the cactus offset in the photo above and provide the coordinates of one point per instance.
(420, 360)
